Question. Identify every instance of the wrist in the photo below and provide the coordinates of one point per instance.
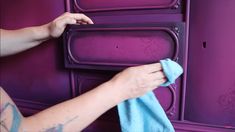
(42, 33)
(115, 91)
(46, 31)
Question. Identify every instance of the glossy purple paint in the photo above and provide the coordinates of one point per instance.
(37, 79)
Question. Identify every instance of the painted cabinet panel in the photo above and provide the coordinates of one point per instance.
(105, 5)
(95, 53)
(128, 33)
(210, 94)
(121, 45)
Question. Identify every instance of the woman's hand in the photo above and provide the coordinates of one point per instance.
(56, 27)
(15, 41)
(136, 81)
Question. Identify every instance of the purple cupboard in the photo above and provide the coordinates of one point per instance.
(198, 34)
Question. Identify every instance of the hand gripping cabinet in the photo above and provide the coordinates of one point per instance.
(126, 33)
(198, 34)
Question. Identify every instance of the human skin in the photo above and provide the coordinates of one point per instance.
(77, 113)
(15, 41)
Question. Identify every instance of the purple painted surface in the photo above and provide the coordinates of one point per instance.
(93, 48)
(121, 46)
(37, 78)
(36, 75)
(110, 12)
(87, 80)
(146, 18)
(96, 5)
(210, 94)
(168, 97)
(186, 126)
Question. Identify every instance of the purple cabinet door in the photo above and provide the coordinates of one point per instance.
(128, 33)
(110, 48)
(35, 79)
(125, 33)
(210, 94)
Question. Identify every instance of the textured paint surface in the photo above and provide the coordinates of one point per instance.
(122, 47)
(37, 78)
(211, 84)
(87, 5)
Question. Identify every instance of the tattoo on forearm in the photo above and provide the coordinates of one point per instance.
(16, 118)
(59, 127)
(4, 126)
(16, 121)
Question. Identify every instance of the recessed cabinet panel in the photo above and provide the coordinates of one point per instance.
(168, 97)
(120, 46)
(106, 5)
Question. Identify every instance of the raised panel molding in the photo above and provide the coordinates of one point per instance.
(97, 6)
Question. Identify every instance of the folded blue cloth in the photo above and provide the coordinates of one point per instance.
(172, 71)
(145, 114)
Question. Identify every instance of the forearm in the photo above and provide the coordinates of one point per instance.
(15, 41)
(75, 114)
(78, 113)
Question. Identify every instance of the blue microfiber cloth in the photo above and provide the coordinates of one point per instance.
(172, 71)
(145, 114)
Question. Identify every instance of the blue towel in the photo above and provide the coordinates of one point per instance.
(172, 71)
(145, 114)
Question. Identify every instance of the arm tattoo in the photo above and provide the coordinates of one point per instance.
(60, 126)
(16, 118)
(3, 125)
(16, 121)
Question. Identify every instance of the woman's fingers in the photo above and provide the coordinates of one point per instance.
(68, 20)
(151, 68)
(56, 27)
(136, 81)
(161, 81)
(157, 75)
(75, 18)
(81, 18)
(82, 22)
(157, 83)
